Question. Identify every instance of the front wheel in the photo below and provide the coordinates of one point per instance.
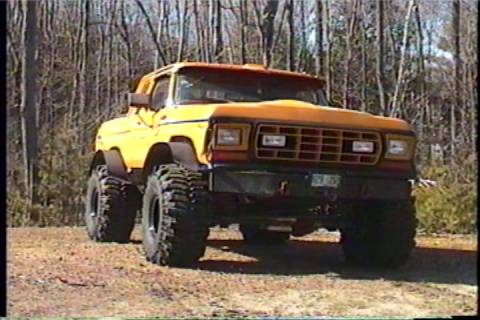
(110, 207)
(380, 234)
(174, 216)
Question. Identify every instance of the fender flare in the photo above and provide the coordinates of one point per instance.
(114, 161)
(172, 152)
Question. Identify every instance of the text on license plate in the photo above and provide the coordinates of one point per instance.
(325, 180)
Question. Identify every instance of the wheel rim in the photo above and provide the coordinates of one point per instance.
(154, 215)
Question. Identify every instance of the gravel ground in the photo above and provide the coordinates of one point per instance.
(59, 272)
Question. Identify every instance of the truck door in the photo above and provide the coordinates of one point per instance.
(145, 121)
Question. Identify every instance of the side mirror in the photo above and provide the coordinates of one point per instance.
(140, 100)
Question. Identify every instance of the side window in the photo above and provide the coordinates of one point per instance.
(160, 93)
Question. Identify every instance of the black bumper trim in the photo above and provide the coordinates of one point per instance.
(297, 183)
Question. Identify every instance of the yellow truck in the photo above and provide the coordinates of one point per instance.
(205, 144)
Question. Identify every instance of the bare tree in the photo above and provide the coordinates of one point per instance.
(319, 38)
(125, 34)
(28, 104)
(199, 34)
(182, 18)
(328, 55)
(380, 53)
(243, 31)
(458, 101)
(349, 39)
(395, 99)
(290, 37)
(266, 28)
(83, 94)
(152, 32)
(421, 74)
(217, 31)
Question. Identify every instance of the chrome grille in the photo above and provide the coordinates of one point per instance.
(321, 145)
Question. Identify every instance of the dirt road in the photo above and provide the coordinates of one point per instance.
(59, 272)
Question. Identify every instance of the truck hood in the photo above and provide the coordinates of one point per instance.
(292, 111)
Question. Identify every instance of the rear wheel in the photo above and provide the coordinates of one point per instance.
(383, 235)
(255, 235)
(174, 216)
(110, 207)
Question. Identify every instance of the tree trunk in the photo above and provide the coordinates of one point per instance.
(380, 52)
(108, 66)
(458, 101)
(319, 39)
(363, 51)
(83, 97)
(198, 31)
(152, 32)
(328, 56)
(290, 37)
(243, 30)
(156, 62)
(266, 28)
(28, 104)
(218, 50)
(395, 102)
(182, 21)
(349, 36)
(421, 79)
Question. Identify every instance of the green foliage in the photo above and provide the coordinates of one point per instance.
(450, 207)
(63, 175)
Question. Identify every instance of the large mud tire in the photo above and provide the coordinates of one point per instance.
(254, 235)
(380, 234)
(110, 207)
(175, 216)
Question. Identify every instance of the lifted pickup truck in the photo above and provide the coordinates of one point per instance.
(215, 144)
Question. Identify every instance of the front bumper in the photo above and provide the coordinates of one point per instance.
(291, 183)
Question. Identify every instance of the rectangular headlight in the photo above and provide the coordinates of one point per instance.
(397, 147)
(228, 136)
(273, 141)
(362, 146)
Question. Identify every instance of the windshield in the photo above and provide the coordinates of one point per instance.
(207, 85)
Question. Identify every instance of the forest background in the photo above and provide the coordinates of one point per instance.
(69, 64)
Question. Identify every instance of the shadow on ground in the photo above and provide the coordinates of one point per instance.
(316, 257)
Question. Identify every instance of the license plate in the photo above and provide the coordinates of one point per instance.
(325, 180)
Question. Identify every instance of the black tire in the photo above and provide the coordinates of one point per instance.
(381, 235)
(175, 216)
(255, 235)
(110, 207)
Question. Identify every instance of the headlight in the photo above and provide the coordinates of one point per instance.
(274, 141)
(228, 136)
(231, 136)
(399, 147)
(362, 146)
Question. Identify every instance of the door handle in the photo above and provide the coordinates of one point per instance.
(163, 117)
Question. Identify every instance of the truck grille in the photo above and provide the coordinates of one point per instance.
(318, 145)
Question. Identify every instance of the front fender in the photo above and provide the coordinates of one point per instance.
(173, 152)
(113, 160)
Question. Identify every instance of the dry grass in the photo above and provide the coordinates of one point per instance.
(59, 272)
